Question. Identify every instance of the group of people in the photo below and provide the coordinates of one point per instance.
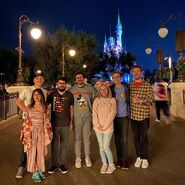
(108, 109)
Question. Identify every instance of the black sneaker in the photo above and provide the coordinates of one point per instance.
(62, 168)
(52, 169)
(119, 164)
(125, 165)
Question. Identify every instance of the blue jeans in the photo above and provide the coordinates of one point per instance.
(121, 137)
(104, 140)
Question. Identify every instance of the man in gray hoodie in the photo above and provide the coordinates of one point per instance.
(84, 95)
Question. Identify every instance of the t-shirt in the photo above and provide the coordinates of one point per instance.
(122, 109)
(83, 98)
(60, 108)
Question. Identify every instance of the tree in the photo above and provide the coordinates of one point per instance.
(8, 65)
(49, 54)
(110, 63)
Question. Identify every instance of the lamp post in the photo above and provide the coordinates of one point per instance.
(35, 33)
(72, 53)
(159, 54)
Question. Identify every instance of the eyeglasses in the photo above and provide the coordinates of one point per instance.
(61, 83)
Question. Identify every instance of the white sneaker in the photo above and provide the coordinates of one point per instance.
(157, 120)
(88, 162)
(103, 169)
(20, 171)
(145, 163)
(138, 162)
(110, 169)
(78, 163)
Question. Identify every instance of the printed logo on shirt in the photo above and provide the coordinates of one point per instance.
(120, 96)
(82, 102)
(58, 104)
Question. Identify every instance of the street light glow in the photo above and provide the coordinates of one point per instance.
(35, 33)
(84, 66)
(72, 52)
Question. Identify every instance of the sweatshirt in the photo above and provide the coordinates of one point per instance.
(104, 112)
(83, 99)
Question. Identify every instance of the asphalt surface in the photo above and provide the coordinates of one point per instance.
(166, 157)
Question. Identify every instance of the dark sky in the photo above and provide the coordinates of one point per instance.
(140, 20)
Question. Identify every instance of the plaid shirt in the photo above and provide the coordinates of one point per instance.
(141, 111)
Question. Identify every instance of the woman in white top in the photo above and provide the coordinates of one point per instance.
(104, 112)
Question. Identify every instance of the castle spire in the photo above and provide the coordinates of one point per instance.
(105, 45)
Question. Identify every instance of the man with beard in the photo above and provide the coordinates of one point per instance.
(141, 97)
(84, 95)
(62, 103)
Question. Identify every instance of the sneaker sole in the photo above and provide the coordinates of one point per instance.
(18, 177)
(51, 172)
(124, 168)
(63, 172)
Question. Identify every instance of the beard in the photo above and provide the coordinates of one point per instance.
(61, 90)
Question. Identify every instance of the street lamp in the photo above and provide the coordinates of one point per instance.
(159, 54)
(35, 33)
(72, 53)
(179, 34)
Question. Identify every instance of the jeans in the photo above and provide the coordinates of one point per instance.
(162, 105)
(82, 125)
(140, 133)
(121, 137)
(104, 140)
(59, 145)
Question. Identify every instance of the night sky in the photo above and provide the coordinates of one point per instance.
(140, 20)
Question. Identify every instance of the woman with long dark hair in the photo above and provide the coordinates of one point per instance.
(36, 134)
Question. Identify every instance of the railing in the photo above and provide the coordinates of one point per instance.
(8, 105)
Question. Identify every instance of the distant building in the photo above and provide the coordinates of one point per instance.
(114, 44)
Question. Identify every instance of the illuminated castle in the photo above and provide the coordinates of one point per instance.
(114, 44)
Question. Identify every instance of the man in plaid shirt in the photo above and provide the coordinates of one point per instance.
(141, 97)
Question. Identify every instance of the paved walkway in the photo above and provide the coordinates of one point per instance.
(166, 153)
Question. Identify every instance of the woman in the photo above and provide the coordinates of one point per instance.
(104, 112)
(36, 134)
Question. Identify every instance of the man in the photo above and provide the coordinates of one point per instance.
(161, 99)
(83, 98)
(121, 122)
(62, 103)
(141, 97)
(22, 102)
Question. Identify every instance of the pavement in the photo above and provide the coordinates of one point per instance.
(166, 158)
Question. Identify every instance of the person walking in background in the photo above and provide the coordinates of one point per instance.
(161, 99)
(121, 122)
(141, 97)
(22, 102)
(36, 134)
(84, 95)
(104, 112)
(62, 103)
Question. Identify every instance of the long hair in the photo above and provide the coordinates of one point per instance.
(43, 102)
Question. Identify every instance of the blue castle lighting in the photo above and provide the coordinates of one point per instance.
(114, 44)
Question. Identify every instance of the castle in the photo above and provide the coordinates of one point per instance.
(114, 44)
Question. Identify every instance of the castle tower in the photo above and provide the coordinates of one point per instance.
(119, 32)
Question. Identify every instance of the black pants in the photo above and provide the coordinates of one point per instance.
(121, 137)
(59, 145)
(140, 133)
(22, 157)
(162, 105)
